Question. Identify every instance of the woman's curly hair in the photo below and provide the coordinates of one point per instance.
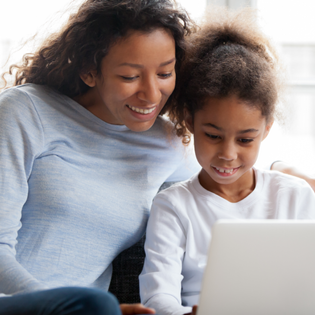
(85, 40)
(229, 55)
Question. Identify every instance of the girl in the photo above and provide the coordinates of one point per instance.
(226, 98)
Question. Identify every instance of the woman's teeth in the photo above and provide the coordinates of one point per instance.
(221, 170)
(142, 111)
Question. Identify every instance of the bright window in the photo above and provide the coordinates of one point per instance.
(289, 23)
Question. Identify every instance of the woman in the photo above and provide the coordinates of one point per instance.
(83, 146)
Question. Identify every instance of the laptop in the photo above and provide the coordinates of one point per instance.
(260, 267)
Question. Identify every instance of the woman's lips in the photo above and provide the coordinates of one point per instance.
(143, 111)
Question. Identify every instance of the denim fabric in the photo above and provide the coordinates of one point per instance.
(61, 301)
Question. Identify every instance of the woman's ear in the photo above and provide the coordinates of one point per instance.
(189, 121)
(89, 78)
(267, 129)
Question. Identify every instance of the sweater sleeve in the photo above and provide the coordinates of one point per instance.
(187, 164)
(21, 138)
(160, 280)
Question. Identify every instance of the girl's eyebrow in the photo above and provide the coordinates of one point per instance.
(135, 65)
(248, 130)
(213, 126)
(239, 132)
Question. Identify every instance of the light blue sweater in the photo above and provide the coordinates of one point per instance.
(74, 190)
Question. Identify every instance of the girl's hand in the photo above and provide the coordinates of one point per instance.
(132, 309)
(194, 311)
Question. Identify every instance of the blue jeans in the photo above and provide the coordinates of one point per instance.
(61, 301)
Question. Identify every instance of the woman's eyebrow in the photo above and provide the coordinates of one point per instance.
(136, 65)
(133, 65)
(167, 62)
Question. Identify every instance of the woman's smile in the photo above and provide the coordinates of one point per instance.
(143, 111)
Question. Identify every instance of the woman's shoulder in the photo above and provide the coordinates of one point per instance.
(27, 88)
(164, 126)
(164, 129)
(34, 93)
(17, 102)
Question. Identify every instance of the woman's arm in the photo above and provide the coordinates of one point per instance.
(20, 140)
(291, 170)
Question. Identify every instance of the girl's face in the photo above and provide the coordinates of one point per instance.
(137, 77)
(227, 136)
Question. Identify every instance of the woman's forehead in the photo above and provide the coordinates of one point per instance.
(138, 47)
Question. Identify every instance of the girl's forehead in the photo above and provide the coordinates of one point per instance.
(229, 111)
(232, 103)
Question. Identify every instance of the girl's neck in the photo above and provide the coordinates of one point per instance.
(234, 192)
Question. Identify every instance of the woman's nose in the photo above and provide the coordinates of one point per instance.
(150, 91)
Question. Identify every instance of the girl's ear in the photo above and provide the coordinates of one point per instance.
(267, 129)
(89, 78)
(189, 121)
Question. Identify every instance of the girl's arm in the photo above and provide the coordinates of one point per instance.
(130, 309)
(291, 170)
(160, 280)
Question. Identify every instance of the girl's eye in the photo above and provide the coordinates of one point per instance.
(165, 75)
(129, 78)
(213, 137)
(245, 140)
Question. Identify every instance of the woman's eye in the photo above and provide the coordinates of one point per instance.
(213, 137)
(245, 140)
(165, 75)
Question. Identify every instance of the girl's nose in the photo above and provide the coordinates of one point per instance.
(228, 151)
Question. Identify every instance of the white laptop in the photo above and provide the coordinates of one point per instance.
(263, 267)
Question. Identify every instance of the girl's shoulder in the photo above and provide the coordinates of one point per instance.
(179, 191)
(280, 181)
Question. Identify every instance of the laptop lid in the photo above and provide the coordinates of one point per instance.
(263, 267)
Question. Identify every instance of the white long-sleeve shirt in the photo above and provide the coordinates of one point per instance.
(179, 232)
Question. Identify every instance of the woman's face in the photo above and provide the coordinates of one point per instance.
(137, 77)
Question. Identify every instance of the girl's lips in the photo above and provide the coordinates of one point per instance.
(225, 172)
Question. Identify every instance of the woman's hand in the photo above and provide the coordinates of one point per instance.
(194, 311)
(291, 170)
(131, 309)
